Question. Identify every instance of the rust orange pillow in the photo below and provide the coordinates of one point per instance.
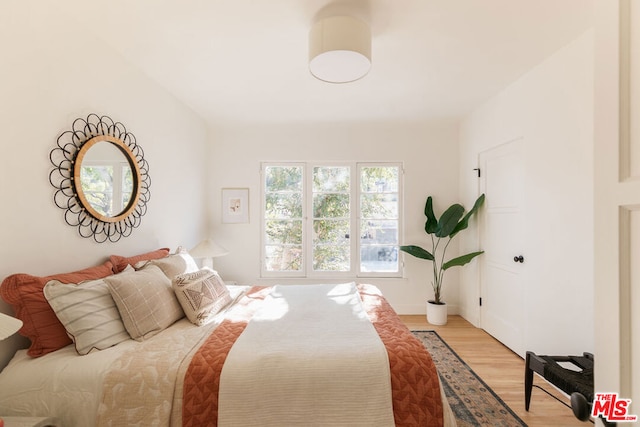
(25, 294)
(120, 262)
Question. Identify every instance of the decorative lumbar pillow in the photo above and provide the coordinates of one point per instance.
(202, 294)
(40, 323)
(172, 265)
(88, 313)
(120, 262)
(145, 300)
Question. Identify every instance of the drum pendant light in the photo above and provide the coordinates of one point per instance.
(339, 49)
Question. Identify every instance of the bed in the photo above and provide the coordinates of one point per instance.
(195, 351)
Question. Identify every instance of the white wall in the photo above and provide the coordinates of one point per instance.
(551, 108)
(50, 74)
(430, 156)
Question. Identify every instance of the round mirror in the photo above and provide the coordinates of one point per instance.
(101, 178)
(106, 178)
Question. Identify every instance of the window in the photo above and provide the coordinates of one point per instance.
(311, 213)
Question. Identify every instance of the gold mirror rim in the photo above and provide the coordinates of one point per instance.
(133, 201)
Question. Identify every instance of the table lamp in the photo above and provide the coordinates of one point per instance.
(8, 326)
(207, 250)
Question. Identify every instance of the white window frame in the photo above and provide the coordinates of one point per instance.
(355, 220)
(400, 167)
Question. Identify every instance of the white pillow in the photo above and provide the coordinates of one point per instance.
(145, 301)
(201, 294)
(88, 313)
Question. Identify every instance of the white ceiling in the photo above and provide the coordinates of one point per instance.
(246, 60)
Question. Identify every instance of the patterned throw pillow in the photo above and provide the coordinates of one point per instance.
(88, 313)
(202, 294)
(145, 301)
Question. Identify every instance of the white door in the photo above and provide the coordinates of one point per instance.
(501, 236)
(617, 200)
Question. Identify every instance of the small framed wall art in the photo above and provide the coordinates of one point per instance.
(235, 205)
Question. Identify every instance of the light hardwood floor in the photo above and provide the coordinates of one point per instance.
(502, 370)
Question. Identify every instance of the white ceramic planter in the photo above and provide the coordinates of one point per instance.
(436, 313)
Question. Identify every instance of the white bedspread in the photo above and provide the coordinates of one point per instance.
(297, 353)
(70, 387)
(61, 383)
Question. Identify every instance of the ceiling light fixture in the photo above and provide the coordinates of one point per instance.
(340, 49)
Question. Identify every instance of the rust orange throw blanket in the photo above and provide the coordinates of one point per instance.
(414, 380)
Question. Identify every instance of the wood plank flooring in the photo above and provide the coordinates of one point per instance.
(502, 370)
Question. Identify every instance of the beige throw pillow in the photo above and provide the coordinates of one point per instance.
(145, 301)
(172, 265)
(202, 294)
(88, 313)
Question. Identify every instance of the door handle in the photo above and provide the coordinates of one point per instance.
(518, 258)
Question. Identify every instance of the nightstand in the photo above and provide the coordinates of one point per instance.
(30, 422)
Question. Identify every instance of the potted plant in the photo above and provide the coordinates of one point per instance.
(442, 231)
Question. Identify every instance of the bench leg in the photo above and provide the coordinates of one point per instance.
(528, 380)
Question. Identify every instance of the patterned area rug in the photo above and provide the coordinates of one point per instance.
(472, 401)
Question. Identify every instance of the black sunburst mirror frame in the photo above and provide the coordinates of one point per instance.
(66, 158)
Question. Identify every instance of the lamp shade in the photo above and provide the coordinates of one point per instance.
(8, 326)
(339, 49)
(208, 249)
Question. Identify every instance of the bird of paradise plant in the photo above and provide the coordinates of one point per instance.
(442, 231)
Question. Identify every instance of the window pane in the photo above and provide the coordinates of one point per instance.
(379, 246)
(331, 179)
(284, 232)
(379, 205)
(331, 205)
(283, 205)
(376, 232)
(379, 214)
(283, 218)
(331, 225)
(331, 231)
(283, 178)
(379, 179)
(378, 258)
(331, 258)
(283, 258)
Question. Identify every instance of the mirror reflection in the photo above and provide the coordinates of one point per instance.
(106, 179)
